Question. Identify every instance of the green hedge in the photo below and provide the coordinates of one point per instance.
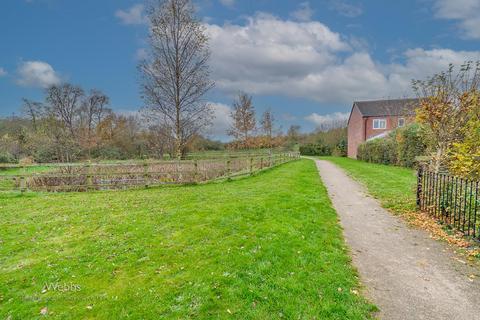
(315, 150)
(401, 147)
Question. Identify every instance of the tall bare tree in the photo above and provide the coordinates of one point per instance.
(93, 110)
(33, 110)
(176, 75)
(267, 122)
(243, 116)
(63, 103)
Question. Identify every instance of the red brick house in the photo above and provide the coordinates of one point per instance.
(374, 119)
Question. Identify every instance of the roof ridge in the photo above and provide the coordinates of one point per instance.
(384, 100)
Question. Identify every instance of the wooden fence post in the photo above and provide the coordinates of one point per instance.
(251, 165)
(228, 169)
(23, 184)
(195, 177)
(145, 174)
(89, 176)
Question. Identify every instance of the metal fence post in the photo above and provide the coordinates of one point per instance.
(475, 212)
(419, 187)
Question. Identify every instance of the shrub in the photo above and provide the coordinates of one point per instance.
(411, 143)
(401, 147)
(108, 152)
(379, 151)
(315, 150)
(6, 157)
(340, 149)
(26, 161)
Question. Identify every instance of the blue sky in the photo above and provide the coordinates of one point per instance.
(307, 61)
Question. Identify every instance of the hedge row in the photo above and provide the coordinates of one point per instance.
(315, 150)
(401, 147)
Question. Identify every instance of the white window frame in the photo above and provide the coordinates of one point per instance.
(377, 124)
(402, 120)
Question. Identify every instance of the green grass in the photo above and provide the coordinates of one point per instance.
(265, 247)
(26, 170)
(393, 186)
(8, 183)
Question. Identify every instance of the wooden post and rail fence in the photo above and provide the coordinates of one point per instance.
(103, 176)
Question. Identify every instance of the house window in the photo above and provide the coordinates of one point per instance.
(401, 122)
(379, 124)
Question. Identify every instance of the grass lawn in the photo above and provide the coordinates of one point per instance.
(393, 186)
(26, 170)
(265, 247)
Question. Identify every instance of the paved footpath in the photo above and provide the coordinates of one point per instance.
(407, 274)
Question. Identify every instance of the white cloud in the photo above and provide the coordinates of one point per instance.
(133, 15)
(466, 12)
(328, 121)
(346, 9)
(141, 54)
(222, 119)
(266, 51)
(228, 3)
(3, 72)
(37, 74)
(303, 13)
(268, 55)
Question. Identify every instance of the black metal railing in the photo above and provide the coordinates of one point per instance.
(453, 200)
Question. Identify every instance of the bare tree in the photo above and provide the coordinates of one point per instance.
(32, 110)
(176, 75)
(267, 122)
(64, 102)
(293, 133)
(93, 111)
(243, 116)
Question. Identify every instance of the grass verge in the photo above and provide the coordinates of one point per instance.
(393, 186)
(264, 247)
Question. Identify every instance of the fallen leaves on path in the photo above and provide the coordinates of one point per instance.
(426, 222)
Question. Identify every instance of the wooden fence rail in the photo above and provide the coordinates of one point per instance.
(104, 176)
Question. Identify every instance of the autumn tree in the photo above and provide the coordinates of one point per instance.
(243, 116)
(176, 76)
(446, 102)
